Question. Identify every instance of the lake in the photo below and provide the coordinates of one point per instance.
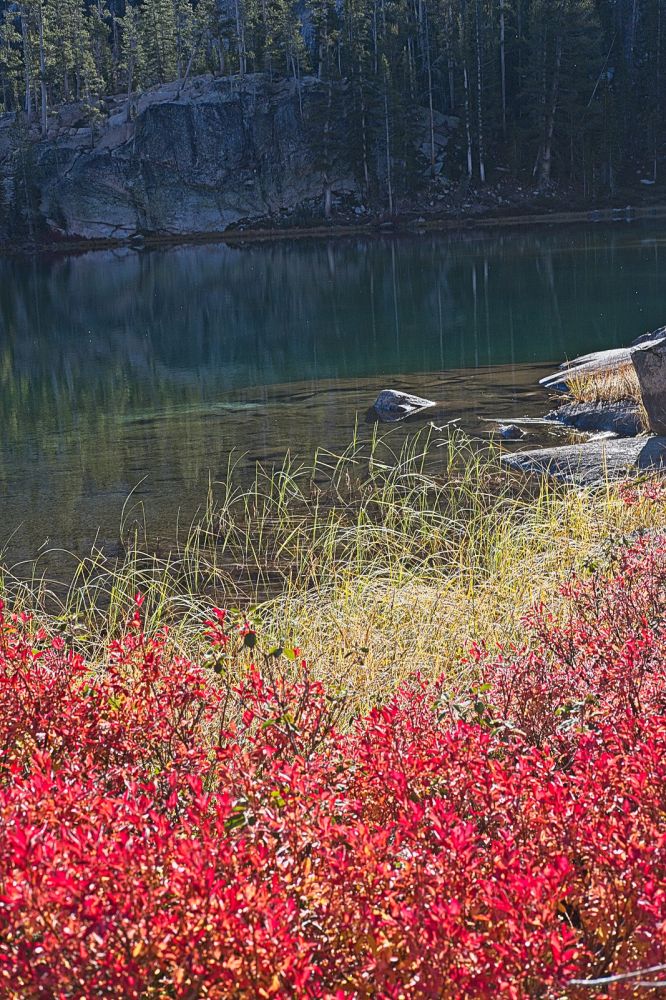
(141, 371)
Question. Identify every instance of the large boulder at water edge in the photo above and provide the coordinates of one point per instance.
(650, 363)
(622, 418)
(594, 462)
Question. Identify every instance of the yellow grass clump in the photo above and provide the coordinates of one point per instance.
(606, 387)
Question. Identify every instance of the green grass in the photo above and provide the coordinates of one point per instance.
(388, 559)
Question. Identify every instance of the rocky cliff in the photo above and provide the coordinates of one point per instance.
(218, 153)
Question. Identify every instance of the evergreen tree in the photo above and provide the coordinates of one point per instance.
(562, 91)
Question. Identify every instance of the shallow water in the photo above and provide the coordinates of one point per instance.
(142, 370)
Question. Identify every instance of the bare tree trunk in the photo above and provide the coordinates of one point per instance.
(468, 126)
(114, 48)
(479, 95)
(130, 81)
(42, 73)
(430, 103)
(632, 33)
(389, 181)
(26, 64)
(195, 49)
(452, 86)
(546, 154)
(327, 130)
(450, 66)
(375, 44)
(240, 34)
(364, 128)
(503, 63)
(658, 115)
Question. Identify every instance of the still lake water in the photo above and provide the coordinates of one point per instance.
(143, 370)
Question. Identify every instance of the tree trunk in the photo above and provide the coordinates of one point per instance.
(26, 65)
(479, 95)
(503, 64)
(42, 74)
(431, 112)
(468, 126)
(547, 150)
(632, 32)
(451, 68)
(364, 129)
(327, 131)
(130, 81)
(240, 35)
(389, 181)
(115, 48)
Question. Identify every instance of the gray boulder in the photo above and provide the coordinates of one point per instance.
(650, 363)
(648, 337)
(391, 405)
(594, 462)
(511, 432)
(591, 364)
(622, 418)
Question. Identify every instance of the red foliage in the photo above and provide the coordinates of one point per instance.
(155, 847)
(604, 658)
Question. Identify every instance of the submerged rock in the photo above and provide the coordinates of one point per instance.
(511, 432)
(391, 405)
(594, 462)
(622, 418)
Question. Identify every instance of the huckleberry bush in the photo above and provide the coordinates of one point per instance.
(167, 832)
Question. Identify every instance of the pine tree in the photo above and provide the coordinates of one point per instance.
(565, 58)
(11, 62)
(162, 24)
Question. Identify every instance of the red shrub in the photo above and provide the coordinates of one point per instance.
(606, 658)
(155, 847)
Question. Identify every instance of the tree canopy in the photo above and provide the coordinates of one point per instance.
(566, 90)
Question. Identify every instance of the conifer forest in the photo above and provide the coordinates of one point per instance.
(566, 92)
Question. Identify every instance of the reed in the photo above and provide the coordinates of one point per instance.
(390, 558)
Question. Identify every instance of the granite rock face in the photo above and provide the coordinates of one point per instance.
(594, 462)
(650, 363)
(622, 418)
(222, 152)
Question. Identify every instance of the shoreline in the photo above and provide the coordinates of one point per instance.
(408, 225)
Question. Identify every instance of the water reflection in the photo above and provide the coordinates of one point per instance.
(120, 366)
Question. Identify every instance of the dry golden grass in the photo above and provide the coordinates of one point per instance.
(606, 387)
(376, 564)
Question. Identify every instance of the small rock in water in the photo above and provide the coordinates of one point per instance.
(392, 405)
(511, 432)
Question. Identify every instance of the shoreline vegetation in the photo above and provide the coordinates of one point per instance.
(404, 225)
(430, 709)
(372, 561)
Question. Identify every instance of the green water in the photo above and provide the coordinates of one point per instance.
(122, 371)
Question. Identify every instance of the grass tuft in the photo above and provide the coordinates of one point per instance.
(606, 387)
